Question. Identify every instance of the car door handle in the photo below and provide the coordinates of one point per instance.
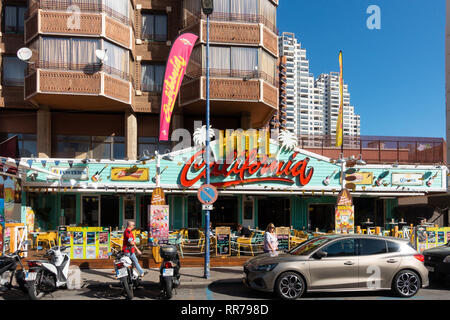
(392, 261)
(349, 263)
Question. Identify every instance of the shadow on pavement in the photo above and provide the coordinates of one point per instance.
(227, 270)
(113, 291)
(238, 290)
(13, 294)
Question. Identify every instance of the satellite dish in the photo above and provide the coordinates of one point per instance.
(24, 54)
(101, 55)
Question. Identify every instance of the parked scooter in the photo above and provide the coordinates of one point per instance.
(169, 271)
(45, 276)
(8, 268)
(127, 274)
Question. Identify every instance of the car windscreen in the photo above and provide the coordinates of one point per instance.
(309, 246)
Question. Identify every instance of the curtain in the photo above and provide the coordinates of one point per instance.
(148, 26)
(83, 52)
(13, 71)
(160, 27)
(268, 64)
(219, 58)
(244, 59)
(118, 6)
(55, 52)
(21, 17)
(117, 57)
(152, 77)
(247, 7)
(268, 11)
(222, 6)
(10, 19)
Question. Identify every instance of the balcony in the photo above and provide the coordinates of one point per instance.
(232, 92)
(84, 87)
(51, 18)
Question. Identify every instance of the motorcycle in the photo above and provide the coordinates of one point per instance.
(45, 276)
(126, 273)
(169, 270)
(8, 270)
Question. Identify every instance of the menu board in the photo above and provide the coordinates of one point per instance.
(86, 242)
(223, 241)
(345, 219)
(429, 237)
(159, 223)
(283, 236)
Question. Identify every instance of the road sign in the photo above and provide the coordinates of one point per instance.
(207, 207)
(207, 194)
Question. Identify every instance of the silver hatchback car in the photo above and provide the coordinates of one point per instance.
(340, 263)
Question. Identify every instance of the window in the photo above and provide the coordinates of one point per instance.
(154, 27)
(234, 61)
(149, 144)
(79, 54)
(94, 147)
(152, 76)
(27, 143)
(340, 248)
(13, 71)
(14, 18)
(372, 246)
(393, 246)
(68, 208)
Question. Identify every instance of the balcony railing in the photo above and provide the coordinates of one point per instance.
(90, 6)
(232, 17)
(379, 149)
(89, 68)
(150, 87)
(154, 37)
(234, 73)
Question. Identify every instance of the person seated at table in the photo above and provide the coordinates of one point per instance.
(243, 231)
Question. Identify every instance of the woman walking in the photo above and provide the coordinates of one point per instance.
(270, 239)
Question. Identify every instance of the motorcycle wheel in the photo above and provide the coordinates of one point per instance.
(34, 287)
(127, 287)
(20, 279)
(168, 288)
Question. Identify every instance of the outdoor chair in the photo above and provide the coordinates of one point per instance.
(245, 243)
(48, 238)
(176, 238)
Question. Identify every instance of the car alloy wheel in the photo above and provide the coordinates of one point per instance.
(290, 286)
(407, 283)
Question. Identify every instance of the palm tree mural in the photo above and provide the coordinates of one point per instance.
(288, 141)
(200, 138)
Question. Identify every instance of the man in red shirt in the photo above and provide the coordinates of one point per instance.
(129, 246)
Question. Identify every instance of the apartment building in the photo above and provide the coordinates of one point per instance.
(66, 103)
(312, 104)
(330, 84)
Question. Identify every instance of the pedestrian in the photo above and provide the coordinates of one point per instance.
(129, 246)
(243, 231)
(270, 239)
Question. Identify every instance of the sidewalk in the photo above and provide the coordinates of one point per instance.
(190, 277)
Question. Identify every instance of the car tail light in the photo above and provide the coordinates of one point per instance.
(119, 265)
(419, 257)
(168, 265)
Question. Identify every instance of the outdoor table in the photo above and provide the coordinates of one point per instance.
(367, 225)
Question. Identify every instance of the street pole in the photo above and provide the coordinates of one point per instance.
(208, 171)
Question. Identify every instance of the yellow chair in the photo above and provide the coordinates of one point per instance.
(295, 241)
(49, 238)
(246, 243)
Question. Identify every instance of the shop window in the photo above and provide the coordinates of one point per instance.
(150, 145)
(341, 248)
(13, 72)
(93, 147)
(154, 27)
(90, 212)
(372, 246)
(68, 208)
(152, 76)
(109, 213)
(14, 17)
(26, 143)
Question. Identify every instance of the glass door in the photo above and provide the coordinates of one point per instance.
(129, 208)
(90, 206)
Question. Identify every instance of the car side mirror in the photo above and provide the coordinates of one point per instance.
(319, 255)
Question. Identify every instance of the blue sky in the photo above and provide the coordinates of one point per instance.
(396, 75)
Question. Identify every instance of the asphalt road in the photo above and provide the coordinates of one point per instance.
(217, 291)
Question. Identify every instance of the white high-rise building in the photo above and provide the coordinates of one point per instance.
(330, 83)
(313, 105)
